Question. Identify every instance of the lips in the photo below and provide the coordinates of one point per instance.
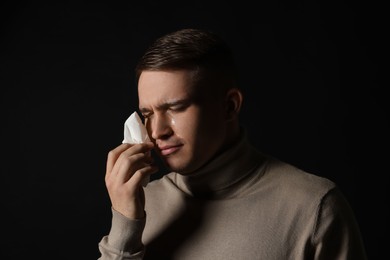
(169, 149)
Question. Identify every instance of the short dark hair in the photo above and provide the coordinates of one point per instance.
(194, 49)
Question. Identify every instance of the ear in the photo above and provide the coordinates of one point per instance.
(233, 103)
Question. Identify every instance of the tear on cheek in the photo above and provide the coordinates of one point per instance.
(173, 122)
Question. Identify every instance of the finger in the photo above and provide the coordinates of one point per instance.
(134, 149)
(140, 174)
(113, 157)
(122, 151)
(140, 148)
(128, 166)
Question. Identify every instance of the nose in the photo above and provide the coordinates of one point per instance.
(160, 127)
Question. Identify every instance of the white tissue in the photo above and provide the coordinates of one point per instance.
(135, 133)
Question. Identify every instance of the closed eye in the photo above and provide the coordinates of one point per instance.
(179, 108)
(175, 106)
(146, 114)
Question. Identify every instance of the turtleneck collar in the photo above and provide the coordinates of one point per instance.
(224, 174)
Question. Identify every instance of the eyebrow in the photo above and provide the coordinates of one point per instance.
(168, 104)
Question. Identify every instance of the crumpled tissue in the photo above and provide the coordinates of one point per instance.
(135, 133)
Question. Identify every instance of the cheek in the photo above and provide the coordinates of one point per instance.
(185, 127)
(199, 130)
(197, 125)
(186, 124)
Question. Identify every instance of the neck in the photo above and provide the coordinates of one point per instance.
(219, 177)
(233, 136)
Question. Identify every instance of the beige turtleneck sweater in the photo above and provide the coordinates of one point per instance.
(242, 205)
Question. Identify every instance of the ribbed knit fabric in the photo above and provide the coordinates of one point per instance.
(242, 205)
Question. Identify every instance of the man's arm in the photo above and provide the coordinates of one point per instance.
(124, 240)
(336, 234)
(127, 166)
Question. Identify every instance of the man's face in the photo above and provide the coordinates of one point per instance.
(186, 123)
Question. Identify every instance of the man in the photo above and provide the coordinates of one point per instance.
(223, 198)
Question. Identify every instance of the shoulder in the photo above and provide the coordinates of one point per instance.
(293, 178)
(289, 184)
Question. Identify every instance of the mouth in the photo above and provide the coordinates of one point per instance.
(169, 149)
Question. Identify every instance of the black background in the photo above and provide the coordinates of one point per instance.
(310, 71)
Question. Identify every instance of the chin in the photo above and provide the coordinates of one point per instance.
(182, 163)
(183, 169)
(177, 166)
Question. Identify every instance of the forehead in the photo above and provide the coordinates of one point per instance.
(156, 87)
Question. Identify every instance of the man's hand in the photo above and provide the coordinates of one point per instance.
(127, 166)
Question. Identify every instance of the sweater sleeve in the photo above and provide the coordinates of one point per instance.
(336, 234)
(124, 240)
